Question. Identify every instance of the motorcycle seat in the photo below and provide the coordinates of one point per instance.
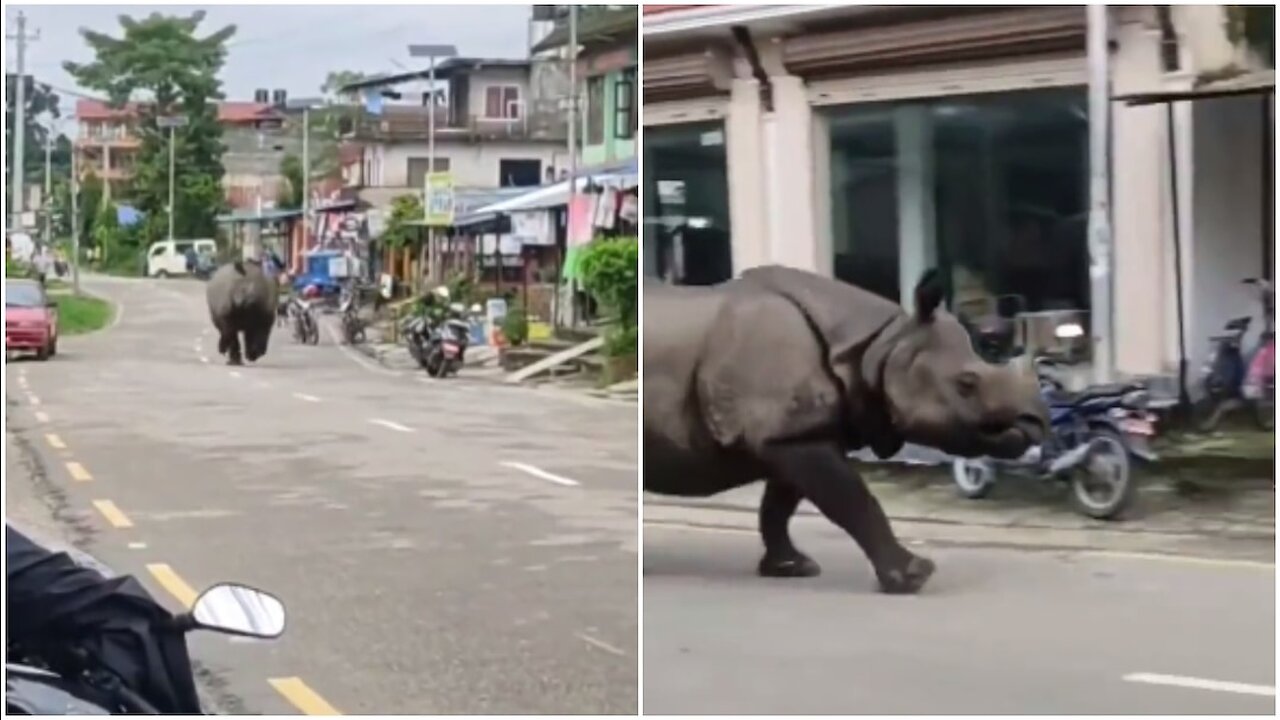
(1237, 324)
(1095, 392)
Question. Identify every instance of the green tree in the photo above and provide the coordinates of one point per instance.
(337, 79)
(41, 107)
(90, 203)
(291, 192)
(404, 209)
(161, 58)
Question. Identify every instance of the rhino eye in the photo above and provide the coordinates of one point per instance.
(967, 384)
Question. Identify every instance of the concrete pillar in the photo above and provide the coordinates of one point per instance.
(745, 166)
(789, 178)
(917, 217)
(823, 215)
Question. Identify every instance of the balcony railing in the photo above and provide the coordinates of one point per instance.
(409, 127)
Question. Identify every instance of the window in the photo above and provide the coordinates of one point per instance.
(417, 170)
(998, 182)
(595, 111)
(519, 173)
(182, 248)
(502, 102)
(626, 119)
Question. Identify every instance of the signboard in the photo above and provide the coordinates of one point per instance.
(439, 202)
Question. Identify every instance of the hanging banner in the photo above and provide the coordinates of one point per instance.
(579, 231)
(532, 228)
(439, 199)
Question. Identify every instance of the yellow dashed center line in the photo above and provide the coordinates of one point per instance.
(113, 514)
(170, 581)
(302, 696)
(55, 442)
(78, 473)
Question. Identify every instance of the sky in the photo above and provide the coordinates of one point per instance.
(291, 47)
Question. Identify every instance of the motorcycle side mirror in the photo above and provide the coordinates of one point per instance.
(237, 610)
(457, 307)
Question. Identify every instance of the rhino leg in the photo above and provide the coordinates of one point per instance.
(821, 473)
(232, 341)
(781, 558)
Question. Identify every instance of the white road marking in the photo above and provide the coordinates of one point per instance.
(308, 398)
(137, 546)
(540, 473)
(1201, 684)
(356, 356)
(33, 400)
(391, 425)
(42, 417)
(262, 384)
(235, 374)
(204, 359)
(600, 644)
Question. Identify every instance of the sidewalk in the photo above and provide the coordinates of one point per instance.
(926, 496)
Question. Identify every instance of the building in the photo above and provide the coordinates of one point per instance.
(494, 127)
(107, 143)
(872, 142)
(606, 68)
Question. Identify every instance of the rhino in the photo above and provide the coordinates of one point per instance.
(242, 301)
(777, 375)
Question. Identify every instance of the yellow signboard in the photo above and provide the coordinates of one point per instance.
(439, 199)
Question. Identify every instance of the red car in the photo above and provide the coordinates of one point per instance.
(30, 319)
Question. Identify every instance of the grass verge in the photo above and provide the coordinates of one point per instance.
(79, 314)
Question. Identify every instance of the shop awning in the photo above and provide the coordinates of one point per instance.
(250, 216)
(1257, 82)
(552, 196)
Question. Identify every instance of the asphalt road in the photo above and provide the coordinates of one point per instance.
(442, 547)
(997, 631)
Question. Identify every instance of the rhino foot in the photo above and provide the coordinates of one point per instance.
(792, 565)
(234, 361)
(906, 579)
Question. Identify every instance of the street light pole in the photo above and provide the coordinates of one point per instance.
(431, 52)
(172, 122)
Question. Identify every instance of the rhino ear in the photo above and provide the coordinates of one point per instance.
(929, 293)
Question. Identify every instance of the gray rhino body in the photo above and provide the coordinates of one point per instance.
(242, 301)
(778, 374)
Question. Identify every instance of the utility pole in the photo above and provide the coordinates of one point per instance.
(572, 305)
(20, 120)
(48, 185)
(75, 222)
(1100, 270)
(306, 174)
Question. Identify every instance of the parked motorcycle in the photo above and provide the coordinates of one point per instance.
(65, 678)
(349, 313)
(1231, 380)
(1093, 436)
(306, 328)
(439, 344)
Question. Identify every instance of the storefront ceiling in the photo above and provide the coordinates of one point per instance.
(1258, 82)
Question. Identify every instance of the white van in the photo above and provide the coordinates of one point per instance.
(169, 257)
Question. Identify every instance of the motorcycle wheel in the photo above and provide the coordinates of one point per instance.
(436, 368)
(1103, 487)
(974, 477)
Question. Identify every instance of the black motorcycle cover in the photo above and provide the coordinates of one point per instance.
(53, 602)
